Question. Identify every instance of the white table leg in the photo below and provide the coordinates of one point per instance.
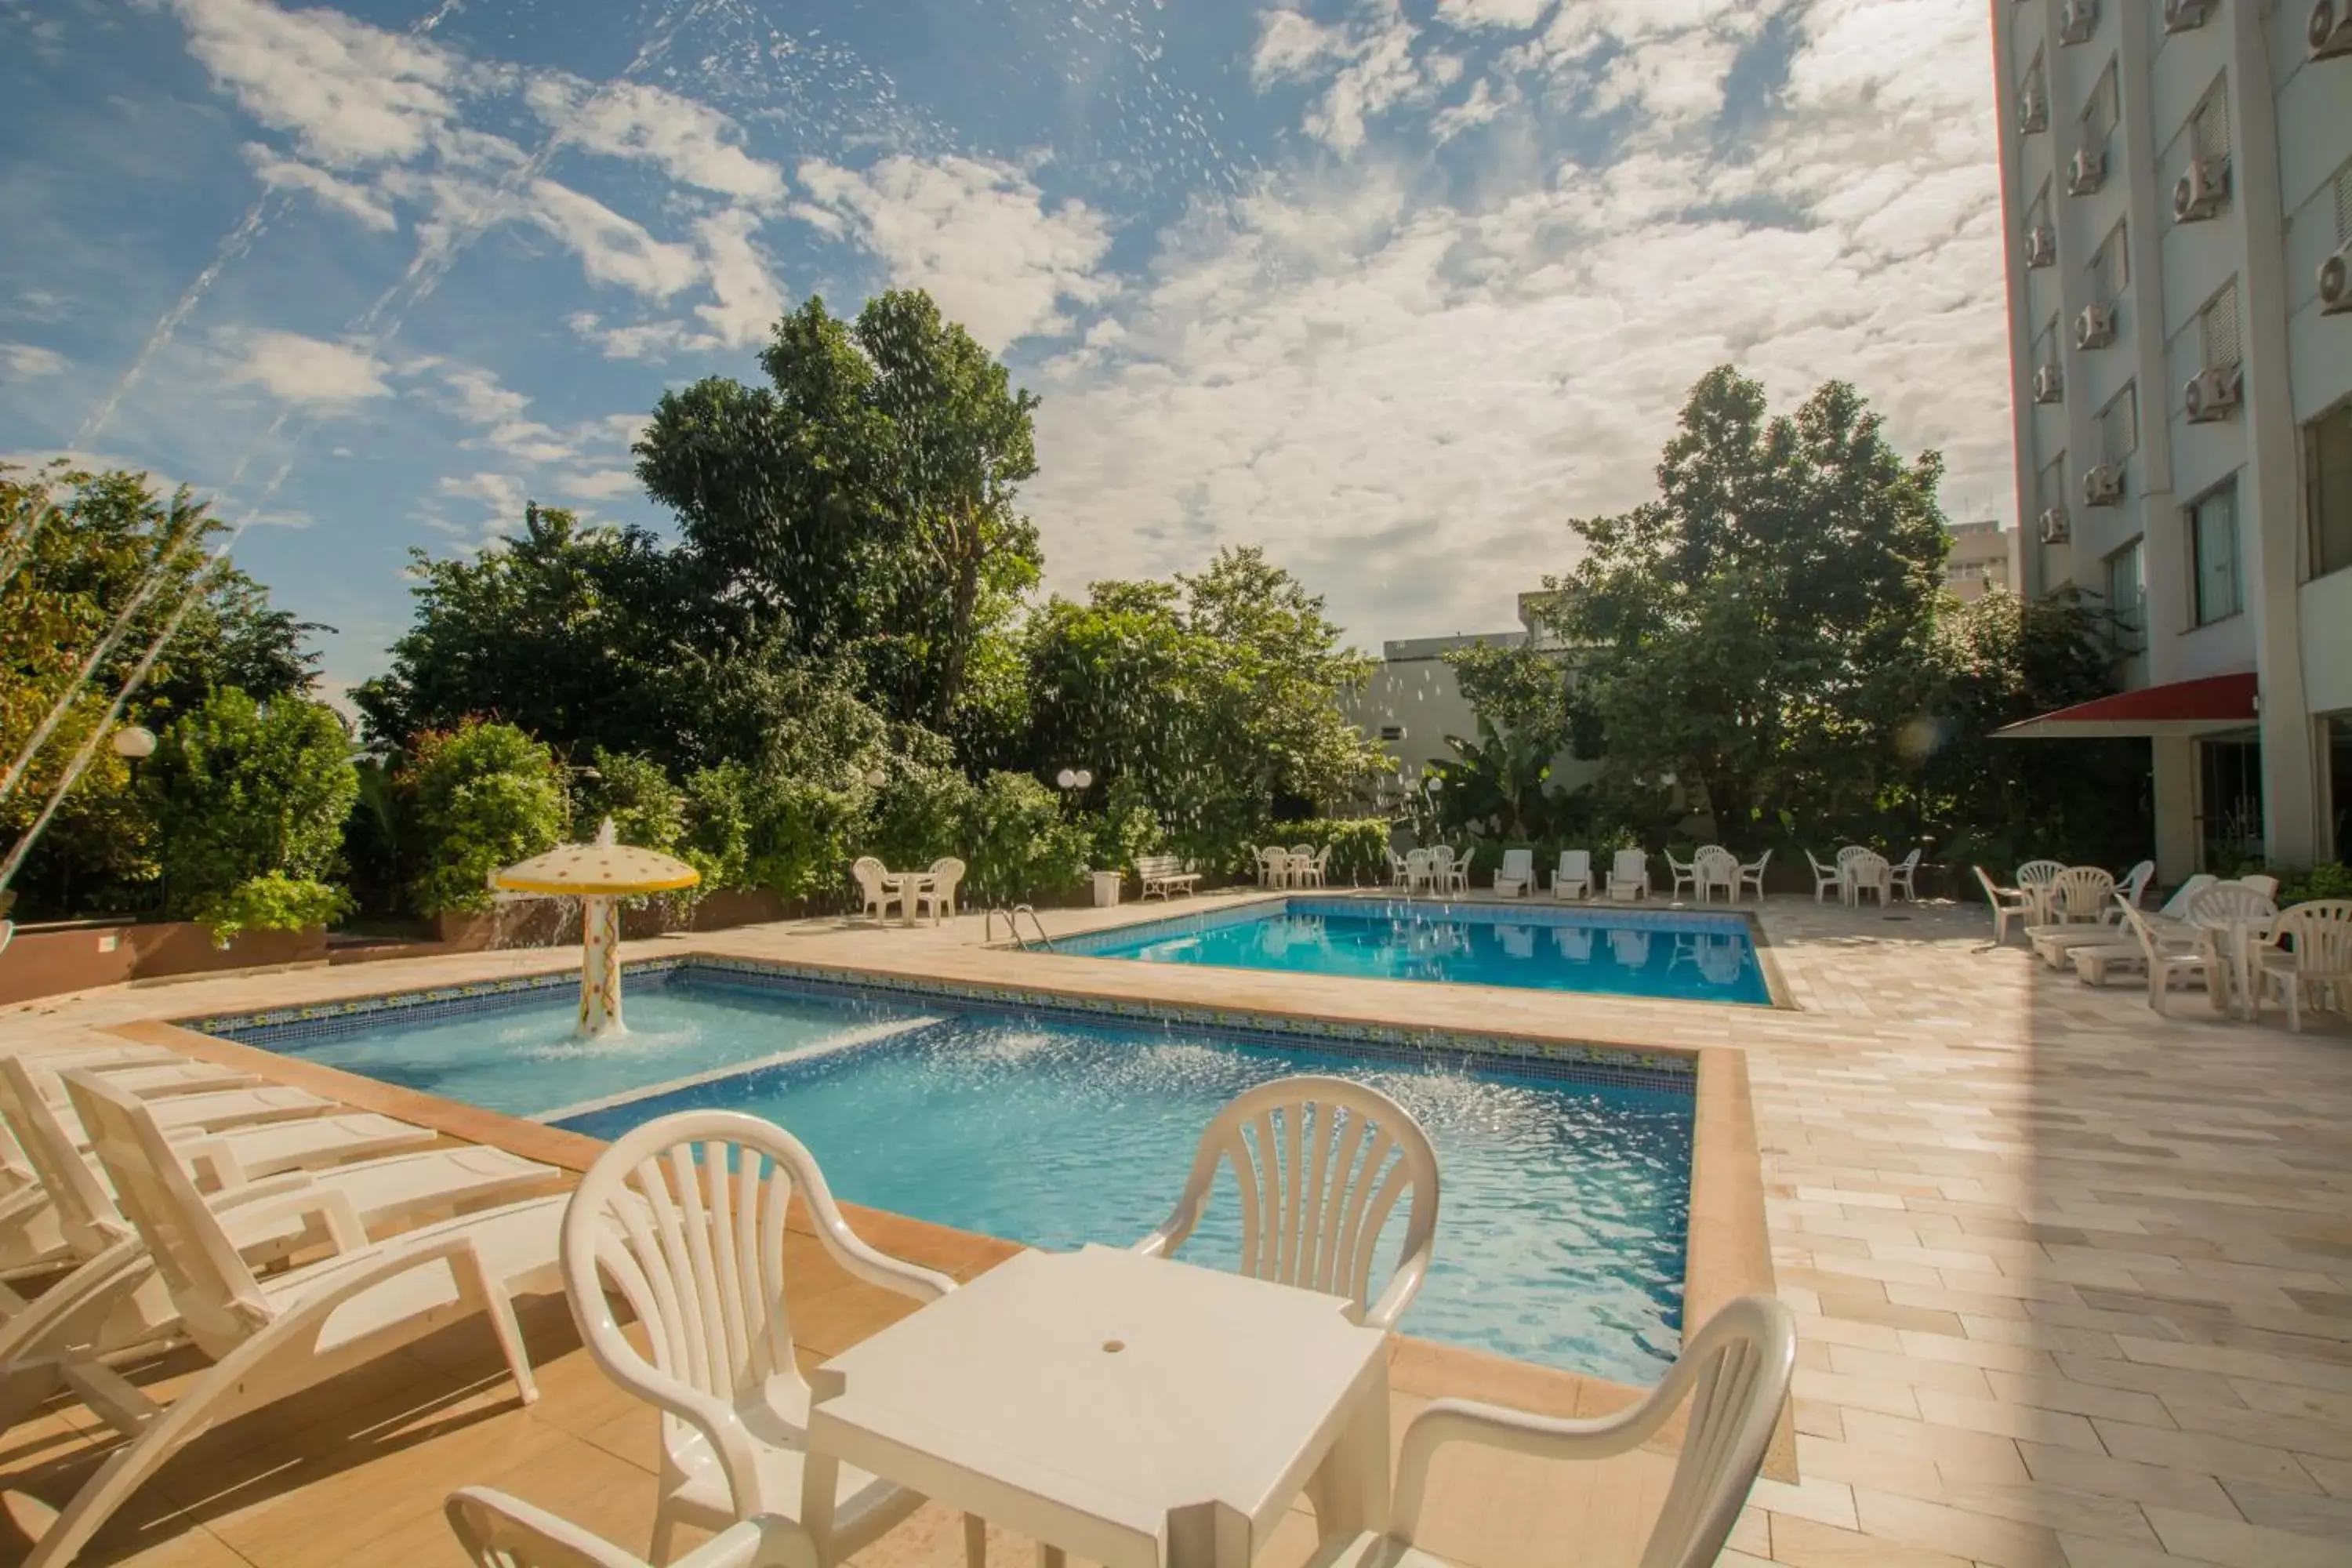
(1349, 1489)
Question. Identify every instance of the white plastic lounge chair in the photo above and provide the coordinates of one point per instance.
(1686, 874)
(1574, 878)
(2167, 952)
(1319, 1164)
(1736, 1372)
(684, 1218)
(2309, 951)
(2261, 882)
(269, 1338)
(1516, 874)
(1903, 879)
(1716, 866)
(1629, 875)
(936, 894)
(2094, 961)
(1751, 875)
(2008, 904)
(874, 895)
(501, 1532)
(1826, 879)
(1868, 872)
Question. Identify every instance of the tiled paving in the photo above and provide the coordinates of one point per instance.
(2075, 1281)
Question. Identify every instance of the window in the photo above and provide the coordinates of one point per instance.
(2208, 122)
(2127, 598)
(2120, 425)
(2111, 265)
(2099, 115)
(2217, 328)
(2050, 485)
(1392, 731)
(2327, 490)
(2213, 543)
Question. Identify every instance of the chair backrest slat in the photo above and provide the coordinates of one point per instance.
(2225, 901)
(2081, 893)
(2033, 873)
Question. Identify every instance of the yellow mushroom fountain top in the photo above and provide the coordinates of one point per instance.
(598, 873)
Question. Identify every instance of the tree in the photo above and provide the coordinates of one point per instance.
(1519, 695)
(481, 796)
(1761, 630)
(250, 801)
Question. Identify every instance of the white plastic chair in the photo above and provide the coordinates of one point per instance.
(2008, 904)
(2077, 895)
(1735, 1372)
(1319, 868)
(2032, 880)
(1868, 872)
(1751, 875)
(1830, 878)
(1902, 879)
(1629, 875)
(2133, 886)
(275, 1336)
(684, 1217)
(1686, 874)
(1847, 856)
(2261, 882)
(876, 895)
(2309, 950)
(1457, 871)
(1516, 874)
(1399, 871)
(1716, 866)
(2167, 952)
(1574, 878)
(936, 895)
(2225, 915)
(501, 1532)
(1441, 869)
(1320, 1164)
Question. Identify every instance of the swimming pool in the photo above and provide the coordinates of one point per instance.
(1692, 956)
(1566, 1186)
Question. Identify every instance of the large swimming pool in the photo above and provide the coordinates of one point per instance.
(1689, 955)
(1565, 1187)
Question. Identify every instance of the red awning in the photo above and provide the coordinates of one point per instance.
(2205, 707)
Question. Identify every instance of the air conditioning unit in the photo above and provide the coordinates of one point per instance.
(2033, 111)
(2211, 393)
(2085, 172)
(2335, 282)
(2330, 32)
(2054, 526)
(2185, 16)
(2077, 20)
(2200, 193)
(2103, 485)
(2040, 246)
(2094, 328)
(2048, 386)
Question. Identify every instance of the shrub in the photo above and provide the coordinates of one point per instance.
(716, 838)
(799, 837)
(1017, 846)
(1126, 830)
(243, 793)
(482, 796)
(645, 808)
(1360, 846)
(2328, 879)
(919, 813)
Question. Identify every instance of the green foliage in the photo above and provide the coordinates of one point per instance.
(271, 902)
(717, 836)
(1126, 830)
(800, 835)
(240, 791)
(919, 815)
(645, 808)
(1018, 845)
(2328, 879)
(1360, 846)
(480, 797)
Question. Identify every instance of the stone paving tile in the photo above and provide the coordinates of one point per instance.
(2075, 1280)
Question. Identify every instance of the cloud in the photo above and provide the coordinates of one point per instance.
(23, 362)
(1290, 44)
(349, 93)
(746, 298)
(977, 234)
(612, 248)
(297, 368)
(291, 175)
(690, 142)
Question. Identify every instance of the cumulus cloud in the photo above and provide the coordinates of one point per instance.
(612, 248)
(689, 141)
(347, 196)
(299, 369)
(977, 234)
(350, 94)
(746, 298)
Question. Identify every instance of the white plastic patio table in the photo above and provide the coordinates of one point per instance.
(1137, 1412)
(908, 883)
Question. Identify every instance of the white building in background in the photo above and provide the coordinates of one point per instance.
(1982, 558)
(2177, 180)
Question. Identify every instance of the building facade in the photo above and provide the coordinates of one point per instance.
(2177, 184)
(1981, 559)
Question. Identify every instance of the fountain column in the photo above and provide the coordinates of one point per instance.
(600, 967)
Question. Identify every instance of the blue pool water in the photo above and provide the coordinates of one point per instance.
(1692, 957)
(1565, 1203)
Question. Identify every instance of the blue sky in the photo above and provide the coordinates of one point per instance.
(1393, 287)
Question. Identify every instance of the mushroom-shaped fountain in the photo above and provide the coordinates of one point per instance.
(600, 874)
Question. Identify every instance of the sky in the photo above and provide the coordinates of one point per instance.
(1394, 288)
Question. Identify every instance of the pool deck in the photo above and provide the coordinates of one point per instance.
(2073, 1282)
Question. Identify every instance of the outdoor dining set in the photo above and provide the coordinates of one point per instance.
(2229, 935)
(1119, 1403)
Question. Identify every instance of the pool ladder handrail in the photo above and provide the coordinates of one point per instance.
(1012, 926)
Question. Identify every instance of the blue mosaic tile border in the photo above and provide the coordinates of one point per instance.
(1672, 1072)
(1615, 917)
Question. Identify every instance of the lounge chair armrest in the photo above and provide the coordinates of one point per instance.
(251, 1221)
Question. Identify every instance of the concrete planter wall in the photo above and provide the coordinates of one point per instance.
(48, 960)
